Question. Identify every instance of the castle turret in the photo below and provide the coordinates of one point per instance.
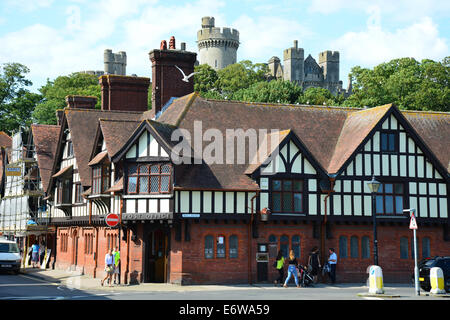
(115, 63)
(329, 62)
(217, 46)
(293, 69)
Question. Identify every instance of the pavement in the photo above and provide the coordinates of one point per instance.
(75, 280)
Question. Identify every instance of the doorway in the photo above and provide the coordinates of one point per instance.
(156, 253)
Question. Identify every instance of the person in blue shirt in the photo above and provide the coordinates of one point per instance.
(332, 260)
(35, 254)
(109, 267)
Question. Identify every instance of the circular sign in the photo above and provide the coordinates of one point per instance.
(112, 219)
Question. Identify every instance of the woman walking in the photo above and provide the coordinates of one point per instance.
(314, 262)
(280, 267)
(109, 267)
(292, 269)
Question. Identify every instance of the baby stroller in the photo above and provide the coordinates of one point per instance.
(306, 279)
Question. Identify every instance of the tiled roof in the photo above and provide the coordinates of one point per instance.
(5, 140)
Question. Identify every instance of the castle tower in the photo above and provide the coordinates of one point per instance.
(115, 63)
(329, 62)
(217, 46)
(294, 64)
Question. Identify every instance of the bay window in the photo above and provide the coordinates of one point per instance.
(149, 178)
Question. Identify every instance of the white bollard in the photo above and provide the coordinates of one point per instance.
(376, 280)
(437, 281)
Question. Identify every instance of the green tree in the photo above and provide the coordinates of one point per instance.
(55, 92)
(276, 91)
(205, 79)
(240, 76)
(317, 96)
(16, 101)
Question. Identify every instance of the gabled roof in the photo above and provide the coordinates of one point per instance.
(116, 133)
(5, 140)
(45, 139)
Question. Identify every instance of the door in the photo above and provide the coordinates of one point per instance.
(156, 261)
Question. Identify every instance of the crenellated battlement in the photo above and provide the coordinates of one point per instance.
(328, 55)
(223, 33)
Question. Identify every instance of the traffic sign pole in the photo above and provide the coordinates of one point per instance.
(413, 226)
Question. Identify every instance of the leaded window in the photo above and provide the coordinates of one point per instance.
(287, 196)
(390, 198)
(149, 178)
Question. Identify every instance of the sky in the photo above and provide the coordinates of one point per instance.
(58, 37)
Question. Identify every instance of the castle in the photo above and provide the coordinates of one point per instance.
(307, 72)
(217, 47)
(114, 63)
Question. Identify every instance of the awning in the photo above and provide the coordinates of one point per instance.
(100, 157)
(63, 171)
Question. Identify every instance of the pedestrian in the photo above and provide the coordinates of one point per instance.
(332, 261)
(35, 254)
(279, 265)
(109, 267)
(41, 253)
(314, 263)
(116, 265)
(292, 269)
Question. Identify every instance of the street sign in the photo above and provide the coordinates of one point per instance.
(13, 171)
(112, 220)
(413, 223)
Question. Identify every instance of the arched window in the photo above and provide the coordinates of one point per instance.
(233, 246)
(426, 247)
(354, 247)
(209, 247)
(220, 247)
(365, 247)
(284, 245)
(404, 248)
(272, 239)
(343, 251)
(296, 246)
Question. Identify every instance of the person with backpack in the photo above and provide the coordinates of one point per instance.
(279, 265)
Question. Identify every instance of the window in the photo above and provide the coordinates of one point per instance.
(100, 179)
(389, 141)
(287, 196)
(389, 199)
(343, 253)
(233, 247)
(296, 246)
(220, 247)
(426, 247)
(284, 246)
(404, 248)
(69, 149)
(209, 247)
(354, 247)
(78, 193)
(145, 179)
(365, 247)
(64, 191)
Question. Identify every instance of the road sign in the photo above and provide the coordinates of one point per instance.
(112, 219)
(413, 223)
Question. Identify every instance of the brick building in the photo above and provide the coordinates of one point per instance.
(187, 219)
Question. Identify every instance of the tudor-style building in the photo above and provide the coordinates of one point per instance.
(201, 222)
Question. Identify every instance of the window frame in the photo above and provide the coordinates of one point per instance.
(149, 175)
(395, 141)
(78, 193)
(282, 192)
(394, 194)
(101, 175)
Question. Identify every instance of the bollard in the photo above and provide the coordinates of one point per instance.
(437, 281)
(376, 280)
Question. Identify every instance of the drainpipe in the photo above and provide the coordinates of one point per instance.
(96, 251)
(324, 222)
(250, 241)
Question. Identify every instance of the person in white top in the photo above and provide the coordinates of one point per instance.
(332, 260)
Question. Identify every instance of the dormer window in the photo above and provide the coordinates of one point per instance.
(100, 179)
(149, 178)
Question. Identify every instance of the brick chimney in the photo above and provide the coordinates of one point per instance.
(82, 102)
(124, 93)
(166, 78)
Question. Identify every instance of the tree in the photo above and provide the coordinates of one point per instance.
(276, 91)
(405, 82)
(318, 96)
(205, 79)
(54, 94)
(16, 101)
(240, 76)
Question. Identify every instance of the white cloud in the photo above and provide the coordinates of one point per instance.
(375, 45)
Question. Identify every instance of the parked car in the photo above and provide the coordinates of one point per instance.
(10, 257)
(425, 266)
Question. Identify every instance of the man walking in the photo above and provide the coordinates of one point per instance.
(332, 260)
(116, 254)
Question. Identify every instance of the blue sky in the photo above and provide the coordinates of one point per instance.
(57, 37)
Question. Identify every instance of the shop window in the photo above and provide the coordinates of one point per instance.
(365, 247)
(287, 196)
(389, 199)
(233, 247)
(426, 247)
(404, 248)
(354, 247)
(220, 243)
(209, 247)
(343, 253)
(296, 246)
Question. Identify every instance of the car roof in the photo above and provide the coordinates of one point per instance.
(3, 240)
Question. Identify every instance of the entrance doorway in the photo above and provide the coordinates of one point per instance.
(156, 253)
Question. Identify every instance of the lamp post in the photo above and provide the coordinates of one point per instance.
(374, 185)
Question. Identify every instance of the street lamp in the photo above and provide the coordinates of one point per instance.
(374, 185)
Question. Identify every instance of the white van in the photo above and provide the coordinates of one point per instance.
(10, 258)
